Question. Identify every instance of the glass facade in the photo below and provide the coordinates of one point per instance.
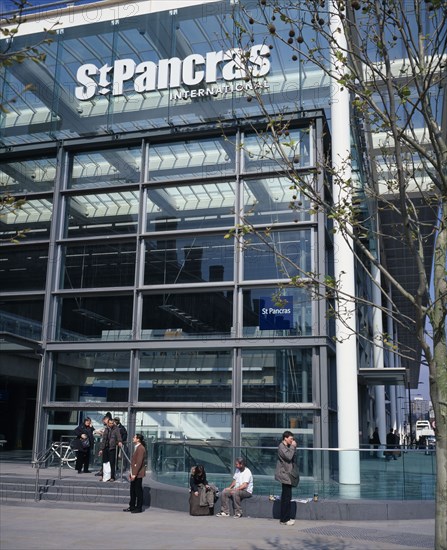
(142, 300)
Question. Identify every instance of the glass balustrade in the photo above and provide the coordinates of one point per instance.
(411, 476)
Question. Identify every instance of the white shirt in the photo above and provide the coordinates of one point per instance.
(244, 477)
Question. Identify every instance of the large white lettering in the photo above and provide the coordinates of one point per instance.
(233, 64)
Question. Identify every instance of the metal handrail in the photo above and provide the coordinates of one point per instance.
(43, 457)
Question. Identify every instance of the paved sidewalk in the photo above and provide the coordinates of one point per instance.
(43, 525)
(26, 525)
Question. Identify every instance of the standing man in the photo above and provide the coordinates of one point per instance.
(375, 441)
(241, 487)
(100, 432)
(111, 440)
(123, 433)
(122, 429)
(287, 474)
(137, 472)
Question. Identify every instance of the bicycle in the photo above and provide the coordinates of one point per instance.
(58, 453)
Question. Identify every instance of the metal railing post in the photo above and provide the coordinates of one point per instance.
(36, 486)
(60, 458)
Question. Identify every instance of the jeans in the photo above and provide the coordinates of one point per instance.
(286, 497)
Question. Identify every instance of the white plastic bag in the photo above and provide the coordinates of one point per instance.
(106, 471)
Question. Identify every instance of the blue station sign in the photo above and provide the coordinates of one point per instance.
(274, 314)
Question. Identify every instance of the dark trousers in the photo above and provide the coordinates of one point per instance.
(136, 494)
(286, 497)
(82, 460)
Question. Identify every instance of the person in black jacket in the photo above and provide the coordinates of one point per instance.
(123, 432)
(200, 487)
(84, 433)
(375, 440)
(121, 428)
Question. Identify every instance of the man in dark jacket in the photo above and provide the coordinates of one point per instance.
(391, 443)
(122, 429)
(110, 441)
(375, 440)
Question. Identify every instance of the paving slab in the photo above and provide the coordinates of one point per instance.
(44, 525)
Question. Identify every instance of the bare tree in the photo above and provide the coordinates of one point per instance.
(392, 58)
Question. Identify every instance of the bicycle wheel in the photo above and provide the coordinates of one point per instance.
(53, 458)
(69, 457)
(58, 453)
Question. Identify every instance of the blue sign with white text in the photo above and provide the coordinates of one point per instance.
(276, 314)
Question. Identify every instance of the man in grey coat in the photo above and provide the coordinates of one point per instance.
(287, 474)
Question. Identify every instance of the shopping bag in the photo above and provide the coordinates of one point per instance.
(106, 471)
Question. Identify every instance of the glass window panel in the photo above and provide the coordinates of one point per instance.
(92, 265)
(23, 268)
(263, 152)
(105, 168)
(270, 200)
(277, 375)
(22, 317)
(28, 176)
(299, 322)
(192, 259)
(102, 214)
(185, 375)
(264, 429)
(277, 255)
(91, 375)
(191, 159)
(28, 112)
(181, 439)
(31, 221)
(187, 315)
(95, 318)
(191, 206)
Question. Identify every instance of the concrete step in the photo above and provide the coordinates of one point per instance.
(72, 490)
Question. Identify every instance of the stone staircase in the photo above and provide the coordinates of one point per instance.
(14, 488)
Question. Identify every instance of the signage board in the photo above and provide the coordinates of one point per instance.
(194, 71)
(274, 314)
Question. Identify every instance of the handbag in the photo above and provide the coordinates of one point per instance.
(76, 444)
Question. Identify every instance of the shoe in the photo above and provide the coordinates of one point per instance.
(111, 480)
(128, 509)
(79, 472)
(290, 522)
(98, 474)
(136, 511)
(237, 516)
(87, 472)
(223, 515)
